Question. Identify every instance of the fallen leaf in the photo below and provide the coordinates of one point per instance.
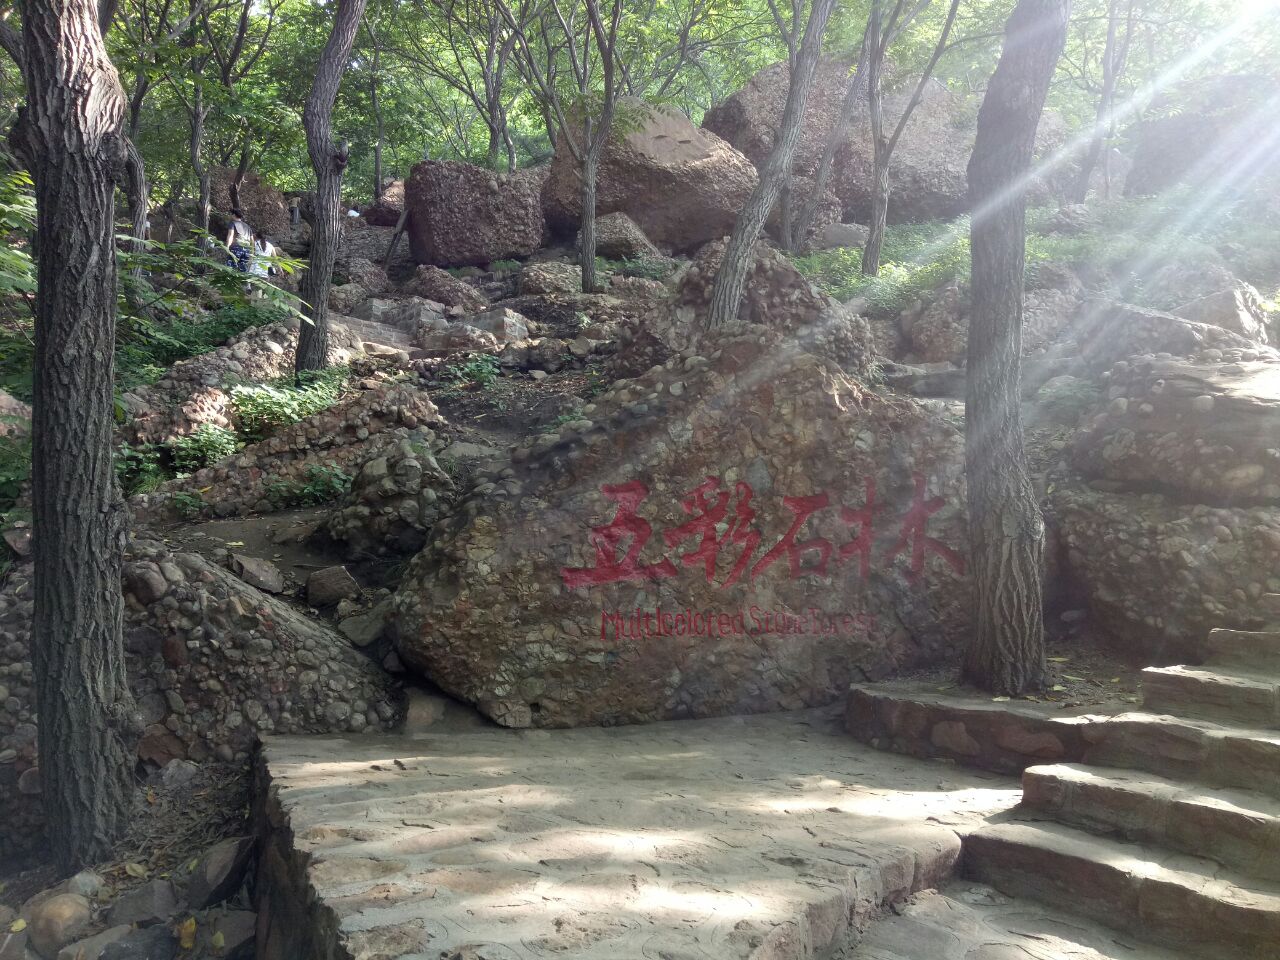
(999, 699)
(1057, 688)
(18, 926)
(1115, 679)
(1058, 659)
(1067, 676)
(135, 870)
(218, 941)
(187, 933)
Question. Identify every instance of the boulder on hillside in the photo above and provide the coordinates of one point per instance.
(1216, 133)
(464, 215)
(727, 534)
(432, 283)
(1204, 432)
(551, 277)
(1237, 308)
(928, 176)
(1159, 575)
(1109, 331)
(680, 185)
(263, 205)
(362, 241)
(618, 238)
(385, 212)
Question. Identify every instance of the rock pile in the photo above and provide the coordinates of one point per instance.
(746, 530)
(212, 662)
(340, 438)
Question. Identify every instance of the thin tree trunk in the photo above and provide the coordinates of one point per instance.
(731, 279)
(196, 146)
(138, 195)
(379, 128)
(242, 170)
(879, 160)
(329, 159)
(590, 169)
(1006, 652)
(1111, 65)
(71, 133)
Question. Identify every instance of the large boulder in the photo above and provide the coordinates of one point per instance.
(464, 215)
(1159, 574)
(1217, 133)
(264, 206)
(618, 238)
(742, 532)
(928, 176)
(1201, 432)
(1237, 308)
(440, 286)
(386, 210)
(682, 186)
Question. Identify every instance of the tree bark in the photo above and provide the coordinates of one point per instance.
(329, 159)
(379, 127)
(590, 169)
(1114, 54)
(879, 157)
(1006, 652)
(731, 279)
(71, 134)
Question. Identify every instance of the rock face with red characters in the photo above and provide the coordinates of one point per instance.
(740, 532)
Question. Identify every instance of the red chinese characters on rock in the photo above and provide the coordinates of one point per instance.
(619, 543)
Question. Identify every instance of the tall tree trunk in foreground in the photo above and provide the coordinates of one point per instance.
(1006, 530)
(71, 133)
(731, 279)
(329, 160)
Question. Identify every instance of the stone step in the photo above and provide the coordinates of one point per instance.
(1237, 828)
(1231, 694)
(1256, 649)
(1166, 898)
(1195, 750)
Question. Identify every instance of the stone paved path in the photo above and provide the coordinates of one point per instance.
(759, 837)
(971, 921)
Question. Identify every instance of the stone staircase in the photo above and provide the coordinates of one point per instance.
(1170, 828)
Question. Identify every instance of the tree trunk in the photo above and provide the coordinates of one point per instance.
(380, 128)
(138, 194)
(879, 164)
(71, 134)
(587, 243)
(329, 160)
(1006, 652)
(731, 279)
(196, 145)
(242, 170)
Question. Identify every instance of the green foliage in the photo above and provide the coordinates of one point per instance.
(188, 505)
(207, 445)
(504, 266)
(140, 469)
(648, 269)
(15, 467)
(322, 483)
(17, 219)
(915, 258)
(262, 409)
(481, 369)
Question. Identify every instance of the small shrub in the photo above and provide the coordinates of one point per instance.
(504, 266)
(188, 505)
(140, 469)
(262, 409)
(207, 445)
(481, 369)
(15, 468)
(322, 483)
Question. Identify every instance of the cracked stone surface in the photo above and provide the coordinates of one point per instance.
(761, 837)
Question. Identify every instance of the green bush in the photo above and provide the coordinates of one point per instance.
(140, 469)
(189, 505)
(207, 445)
(321, 484)
(482, 369)
(15, 468)
(262, 409)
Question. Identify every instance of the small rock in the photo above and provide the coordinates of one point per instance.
(86, 883)
(538, 374)
(13, 946)
(159, 746)
(91, 947)
(237, 929)
(326, 587)
(148, 943)
(1072, 616)
(260, 573)
(58, 921)
(178, 772)
(364, 628)
(153, 902)
(219, 872)
(29, 782)
(19, 542)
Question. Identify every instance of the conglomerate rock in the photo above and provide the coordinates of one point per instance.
(432, 283)
(1237, 308)
(1108, 332)
(342, 438)
(744, 531)
(1159, 574)
(212, 662)
(682, 186)
(263, 205)
(385, 212)
(462, 215)
(1206, 432)
(618, 238)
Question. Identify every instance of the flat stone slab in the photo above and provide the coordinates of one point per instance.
(771, 836)
(971, 921)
